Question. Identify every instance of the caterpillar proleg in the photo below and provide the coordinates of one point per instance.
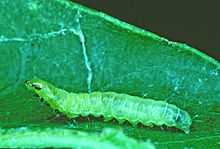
(112, 105)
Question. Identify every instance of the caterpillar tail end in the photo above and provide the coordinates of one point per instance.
(185, 127)
(183, 121)
(186, 130)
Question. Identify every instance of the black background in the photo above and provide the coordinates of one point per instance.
(196, 23)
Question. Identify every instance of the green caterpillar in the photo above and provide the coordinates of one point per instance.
(67, 138)
(112, 105)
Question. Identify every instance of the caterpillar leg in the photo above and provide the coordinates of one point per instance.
(106, 119)
(121, 121)
(74, 116)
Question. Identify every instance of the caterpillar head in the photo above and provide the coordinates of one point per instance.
(43, 89)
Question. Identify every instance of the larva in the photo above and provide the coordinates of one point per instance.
(112, 105)
(68, 138)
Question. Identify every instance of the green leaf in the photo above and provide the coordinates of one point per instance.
(25, 137)
(82, 50)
